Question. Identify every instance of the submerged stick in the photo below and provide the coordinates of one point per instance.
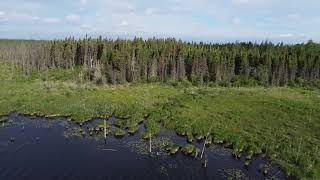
(105, 129)
(108, 149)
(21, 146)
(150, 143)
(204, 145)
(205, 163)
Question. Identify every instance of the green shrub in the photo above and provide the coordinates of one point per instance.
(212, 84)
(186, 83)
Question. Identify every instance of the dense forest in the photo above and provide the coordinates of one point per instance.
(170, 60)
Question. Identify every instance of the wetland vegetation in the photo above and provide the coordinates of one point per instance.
(241, 108)
(29, 140)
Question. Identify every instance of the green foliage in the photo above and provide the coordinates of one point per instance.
(188, 149)
(241, 81)
(168, 60)
(281, 123)
(152, 126)
(119, 132)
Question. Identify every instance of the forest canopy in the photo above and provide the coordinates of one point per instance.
(170, 60)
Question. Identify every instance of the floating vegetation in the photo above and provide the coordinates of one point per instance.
(119, 123)
(98, 131)
(173, 148)
(247, 163)
(238, 149)
(181, 132)
(91, 131)
(208, 140)
(132, 129)
(249, 155)
(5, 121)
(139, 147)
(158, 145)
(196, 152)
(190, 138)
(188, 148)
(163, 170)
(265, 168)
(218, 140)
(119, 132)
(199, 137)
(100, 126)
(233, 174)
(42, 124)
(145, 135)
(73, 132)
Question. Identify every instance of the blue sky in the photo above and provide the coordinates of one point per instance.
(290, 21)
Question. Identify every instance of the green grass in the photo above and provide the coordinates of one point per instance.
(280, 123)
(67, 97)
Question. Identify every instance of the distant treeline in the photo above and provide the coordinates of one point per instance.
(170, 60)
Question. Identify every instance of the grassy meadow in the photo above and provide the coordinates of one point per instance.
(280, 123)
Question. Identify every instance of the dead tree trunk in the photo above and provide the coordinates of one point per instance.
(105, 129)
(150, 143)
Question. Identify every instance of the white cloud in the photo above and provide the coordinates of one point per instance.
(73, 18)
(83, 2)
(236, 21)
(292, 36)
(24, 16)
(4, 30)
(150, 11)
(239, 2)
(2, 17)
(124, 23)
(50, 20)
(88, 28)
(295, 17)
(288, 35)
(35, 18)
(179, 18)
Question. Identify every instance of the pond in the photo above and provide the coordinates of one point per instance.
(39, 148)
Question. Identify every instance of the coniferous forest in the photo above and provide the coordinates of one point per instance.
(137, 88)
(170, 60)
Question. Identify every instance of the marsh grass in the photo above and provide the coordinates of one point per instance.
(188, 149)
(280, 123)
(173, 148)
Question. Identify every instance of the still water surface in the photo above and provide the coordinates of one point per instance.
(36, 148)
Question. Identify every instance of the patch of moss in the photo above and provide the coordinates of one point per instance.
(173, 148)
(188, 149)
(119, 132)
(132, 129)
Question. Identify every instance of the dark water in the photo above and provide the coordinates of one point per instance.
(45, 149)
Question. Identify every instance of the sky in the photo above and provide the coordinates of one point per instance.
(289, 21)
